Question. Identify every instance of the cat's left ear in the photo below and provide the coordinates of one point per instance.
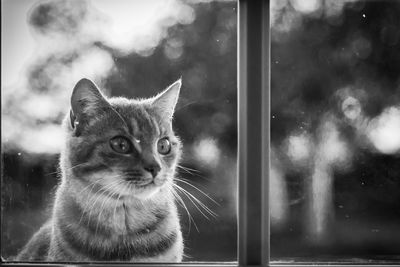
(166, 101)
(86, 103)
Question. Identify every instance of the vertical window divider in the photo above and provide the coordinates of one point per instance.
(265, 131)
(253, 140)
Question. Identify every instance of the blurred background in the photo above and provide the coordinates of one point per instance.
(335, 114)
(130, 48)
(335, 130)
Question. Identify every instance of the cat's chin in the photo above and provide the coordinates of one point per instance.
(147, 190)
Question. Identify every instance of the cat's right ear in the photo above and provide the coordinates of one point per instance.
(86, 102)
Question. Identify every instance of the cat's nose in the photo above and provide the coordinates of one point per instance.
(153, 168)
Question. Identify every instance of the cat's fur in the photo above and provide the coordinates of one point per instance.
(111, 206)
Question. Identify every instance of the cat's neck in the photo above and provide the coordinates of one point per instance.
(106, 226)
(118, 214)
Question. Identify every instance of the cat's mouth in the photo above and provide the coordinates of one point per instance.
(139, 181)
(145, 184)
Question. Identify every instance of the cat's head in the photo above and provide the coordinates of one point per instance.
(124, 146)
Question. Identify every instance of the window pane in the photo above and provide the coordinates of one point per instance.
(335, 131)
(118, 163)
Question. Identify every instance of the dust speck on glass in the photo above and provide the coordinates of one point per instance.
(335, 131)
(119, 130)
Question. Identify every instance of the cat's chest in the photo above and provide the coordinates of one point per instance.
(145, 220)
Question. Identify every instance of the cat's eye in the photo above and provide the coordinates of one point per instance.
(164, 146)
(121, 145)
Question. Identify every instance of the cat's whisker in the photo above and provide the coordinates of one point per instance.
(194, 204)
(182, 203)
(187, 168)
(90, 184)
(209, 211)
(107, 198)
(92, 206)
(193, 172)
(198, 204)
(58, 172)
(75, 166)
(89, 195)
(117, 202)
(206, 209)
(188, 171)
(99, 194)
(67, 169)
(198, 189)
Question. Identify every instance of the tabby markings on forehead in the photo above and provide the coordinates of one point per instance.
(135, 126)
(151, 122)
(157, 127)
(135, 130)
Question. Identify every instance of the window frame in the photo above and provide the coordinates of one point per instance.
(253, 128)
(253, 79)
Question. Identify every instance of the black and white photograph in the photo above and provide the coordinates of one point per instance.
(200, 132)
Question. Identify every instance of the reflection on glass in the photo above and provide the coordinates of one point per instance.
(335, 130)
(132, 49)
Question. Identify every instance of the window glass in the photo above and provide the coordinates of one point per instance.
(335, 131)
(132, 49)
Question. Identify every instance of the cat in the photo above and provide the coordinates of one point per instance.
(115, 201)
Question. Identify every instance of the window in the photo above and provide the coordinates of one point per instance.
(318, 129)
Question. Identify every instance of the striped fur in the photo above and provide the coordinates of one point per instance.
(100, 212)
